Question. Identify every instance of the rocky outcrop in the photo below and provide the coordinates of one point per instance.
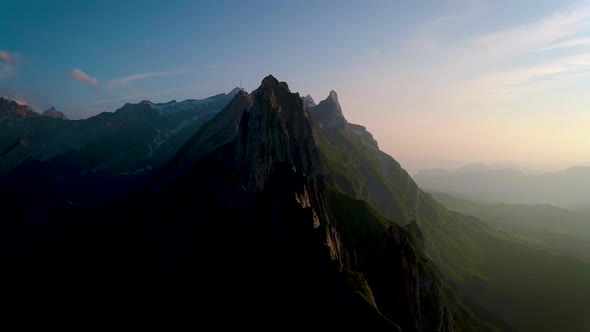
(276, 129)
(55, 114)
(328, 112)
(308, 102)
(410, 290)
(11, 111)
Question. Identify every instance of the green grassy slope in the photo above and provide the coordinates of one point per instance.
(503, 277)
(550, 227)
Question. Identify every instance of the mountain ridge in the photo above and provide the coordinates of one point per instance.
(565, 188)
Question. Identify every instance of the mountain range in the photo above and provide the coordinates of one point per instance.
(270, 212)
(505, 185)
(551, 227)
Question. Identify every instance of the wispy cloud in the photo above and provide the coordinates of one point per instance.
(81, 76)
(129, 79)
(506, 61)
(6, 57)
(574, 42)
(126, 80)
(531, 80)
(537, 34)
(7, 64)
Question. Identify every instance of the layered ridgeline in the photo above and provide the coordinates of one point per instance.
(568, 188)
(243, 228)
(547, 226)
(516, 284)
(127, 140)
(53, 161)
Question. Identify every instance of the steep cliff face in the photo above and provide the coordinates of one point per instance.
(357, 168)
(275, 130)
(407, 287)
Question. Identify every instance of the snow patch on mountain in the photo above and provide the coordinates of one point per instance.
(163, 136)
(174, 107)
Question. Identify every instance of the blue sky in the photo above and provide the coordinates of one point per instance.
(469, 80)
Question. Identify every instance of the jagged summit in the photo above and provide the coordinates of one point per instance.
(333, 96)
(308, 101)
(276, 129)
(11, 109)
(328, 112)
(270, 82)
(270, 127)
(53, 113)
(234, 91)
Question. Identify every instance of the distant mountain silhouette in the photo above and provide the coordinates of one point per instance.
(565, 188)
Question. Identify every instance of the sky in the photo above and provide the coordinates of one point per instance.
(450, 80)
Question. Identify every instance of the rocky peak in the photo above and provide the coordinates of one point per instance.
(328, 112)
(12, 109)
(308, 102)
(333, 96)
(53, 113)
(275, 130)
(234, 92)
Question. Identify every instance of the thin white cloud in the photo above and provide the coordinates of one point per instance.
(574, 42)
(7, 64)
(527, 79)
(501, 62)
(6, 57)
(81, 76)
(535, 35)
(129, 79)
(125, 80)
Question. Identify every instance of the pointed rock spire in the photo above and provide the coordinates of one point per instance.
(328, 112)
(53, 113)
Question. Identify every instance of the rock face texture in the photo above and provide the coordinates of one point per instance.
(276, 130)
